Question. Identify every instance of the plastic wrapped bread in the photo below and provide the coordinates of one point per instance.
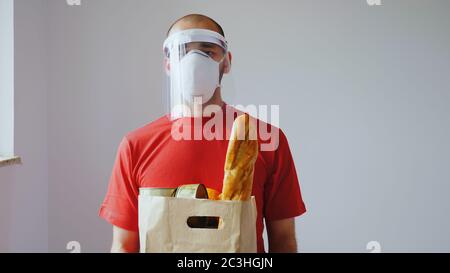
(240, 160)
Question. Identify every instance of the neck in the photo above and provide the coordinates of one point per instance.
(216, 99)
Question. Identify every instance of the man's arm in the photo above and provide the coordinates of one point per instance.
(124, 241)
(281, 235)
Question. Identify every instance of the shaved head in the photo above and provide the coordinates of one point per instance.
(195, 21)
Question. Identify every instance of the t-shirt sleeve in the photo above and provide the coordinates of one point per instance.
(282, 195)
(120, 206)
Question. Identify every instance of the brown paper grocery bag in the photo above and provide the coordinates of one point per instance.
(163, 225)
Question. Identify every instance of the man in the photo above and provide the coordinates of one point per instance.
(151, 157)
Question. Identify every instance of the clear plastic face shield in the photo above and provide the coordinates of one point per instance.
(195, 61)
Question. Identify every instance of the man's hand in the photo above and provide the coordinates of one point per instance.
(281, 234)
(124, 241)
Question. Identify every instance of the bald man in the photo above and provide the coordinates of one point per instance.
(149, 157)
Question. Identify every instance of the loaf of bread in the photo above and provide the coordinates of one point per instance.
(240, 160)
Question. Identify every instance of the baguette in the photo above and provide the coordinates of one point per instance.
(240, 160)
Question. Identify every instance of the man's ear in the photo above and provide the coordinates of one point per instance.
(167, 66)
(227, 63)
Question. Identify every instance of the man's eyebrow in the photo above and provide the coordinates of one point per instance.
(208, 45)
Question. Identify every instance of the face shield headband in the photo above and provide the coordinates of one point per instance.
(193, 35)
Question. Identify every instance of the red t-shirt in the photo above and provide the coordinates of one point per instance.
(151, 157)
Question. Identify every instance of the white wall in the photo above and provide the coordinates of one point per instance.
(363, 93)
(24, 188)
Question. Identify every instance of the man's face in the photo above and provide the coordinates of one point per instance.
(216, 52)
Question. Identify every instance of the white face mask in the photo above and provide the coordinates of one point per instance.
(200, 76)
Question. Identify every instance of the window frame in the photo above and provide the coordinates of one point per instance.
(7, 156)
